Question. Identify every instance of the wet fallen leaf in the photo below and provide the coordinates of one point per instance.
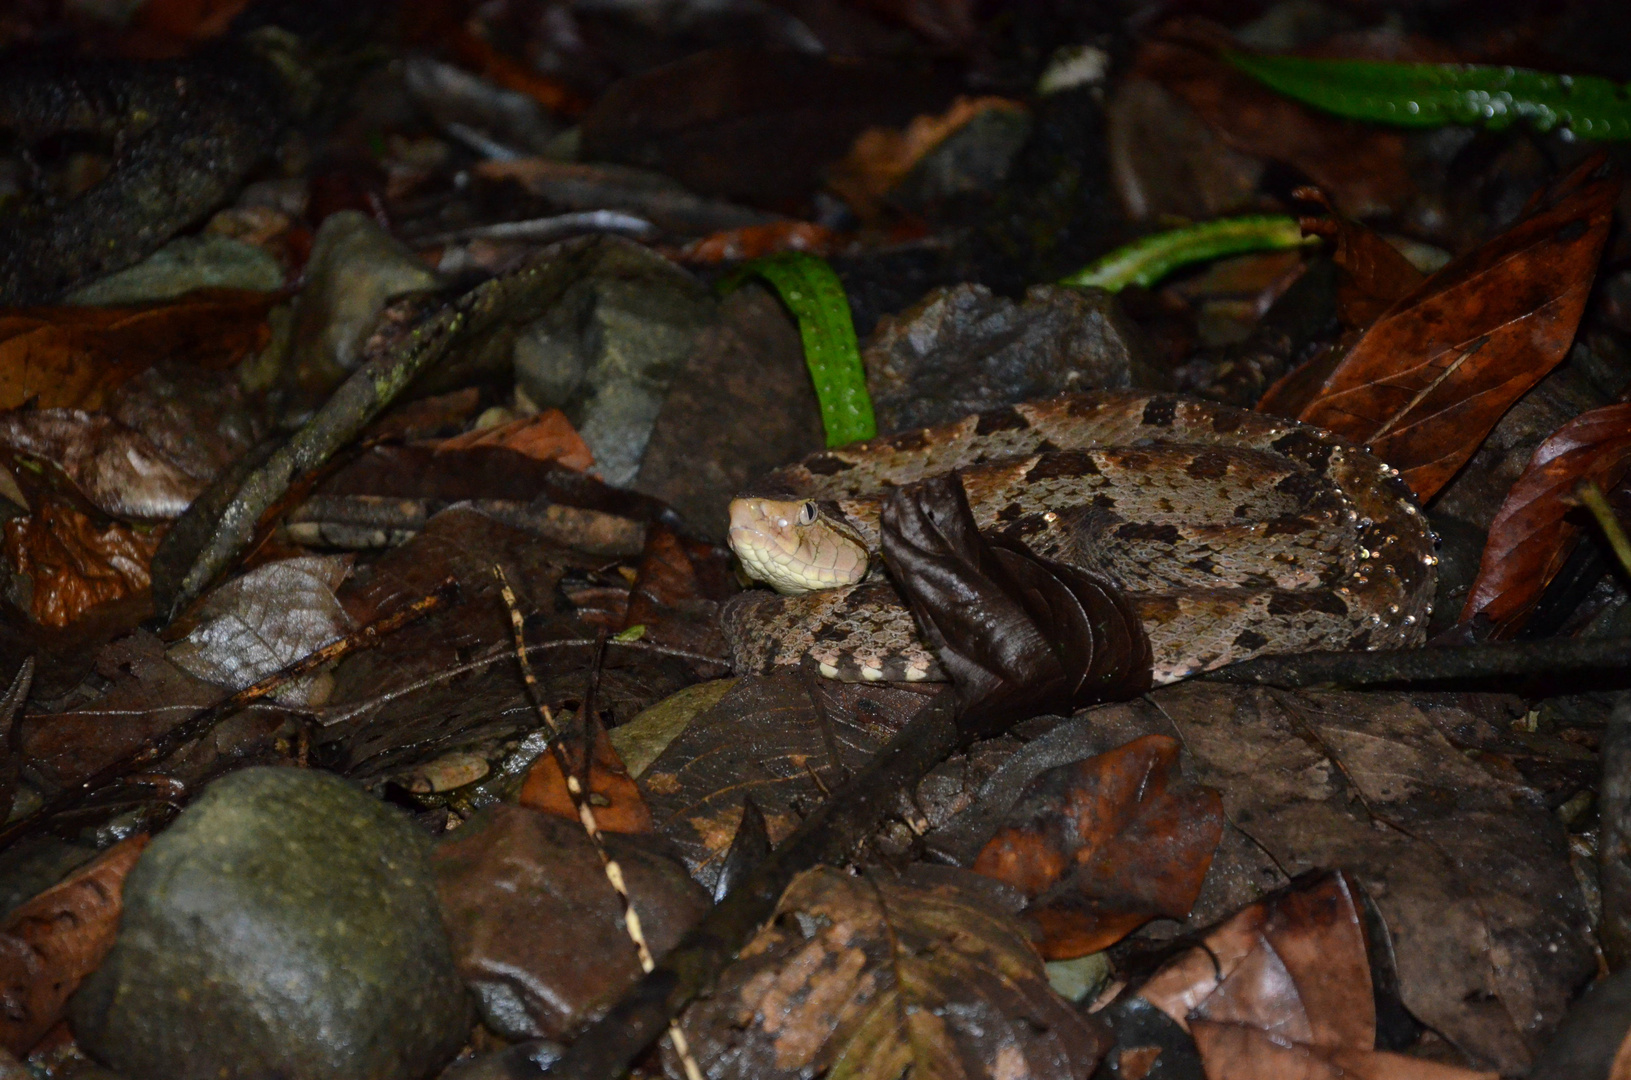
(876, 977)
(616, 799)
(1362, 166)
(117, 469)
(71, 564)
(1536, 528)
(1103, 846)
(549, 436)
(49, 944)
(787, 739)
(71, 357)
(265, 620)
(882, 157)
(1428, 380)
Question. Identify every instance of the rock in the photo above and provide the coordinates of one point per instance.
(749, 372)
(356, 267)
(205, 261)
(961, 350)
(607, 350)
(972, 160)
(285, 926)
(537, 930)
(1164, 160)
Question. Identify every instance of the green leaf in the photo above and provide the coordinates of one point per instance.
(813, 293)
(1146, 261)
(1432, 95)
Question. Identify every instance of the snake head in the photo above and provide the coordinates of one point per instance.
(795, 546)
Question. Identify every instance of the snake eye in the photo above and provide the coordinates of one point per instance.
(807, 514)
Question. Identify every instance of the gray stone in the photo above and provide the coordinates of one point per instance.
(743, 406)
(285, 926)
(961, 349)
(355, 269)
(607, 351)
(973, 159)
(206, 261)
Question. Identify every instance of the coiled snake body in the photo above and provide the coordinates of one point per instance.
(1235, 533)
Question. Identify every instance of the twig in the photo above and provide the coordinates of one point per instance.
(1554, 657)
(586, 812)
(203, 721)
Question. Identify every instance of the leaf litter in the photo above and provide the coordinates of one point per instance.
(1287, 882)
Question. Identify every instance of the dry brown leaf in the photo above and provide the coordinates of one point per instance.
(72, 564)
(1428, 380)
(756, 241)
(70, 357)
(881, 157)
(549, 436)
(1240, 1052)
(53, 941)
(1531, 536)
(1374, 276)
(1104, 845)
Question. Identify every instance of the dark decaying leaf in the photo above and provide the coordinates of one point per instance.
(1362, 166)
(1373, 277)
(1017, 633)
(787, 740)
(1535, 529)
(872, 978)
(677, 591)
(48, 945)
(1104, 845)
(1434, 373)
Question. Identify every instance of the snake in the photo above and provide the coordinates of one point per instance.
(1234, 534)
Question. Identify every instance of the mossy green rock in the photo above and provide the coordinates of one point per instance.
(285, 926)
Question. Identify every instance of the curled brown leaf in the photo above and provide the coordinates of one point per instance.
(1102, 846)
(72, 564)
(1532, 534)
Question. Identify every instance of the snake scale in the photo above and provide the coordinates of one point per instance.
(1235, 533)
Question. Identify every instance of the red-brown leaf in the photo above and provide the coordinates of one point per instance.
(74, 564)
(1374, 276)
(1531, 536)
(1294, 963)
(619, 807)
(1104, 845)
(1428, 380)
(52, 942)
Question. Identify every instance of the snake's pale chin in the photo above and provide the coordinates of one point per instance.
(789, 556)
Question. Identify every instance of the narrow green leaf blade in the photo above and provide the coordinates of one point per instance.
(813, 293)
(1148, 260)
(1433, 95)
